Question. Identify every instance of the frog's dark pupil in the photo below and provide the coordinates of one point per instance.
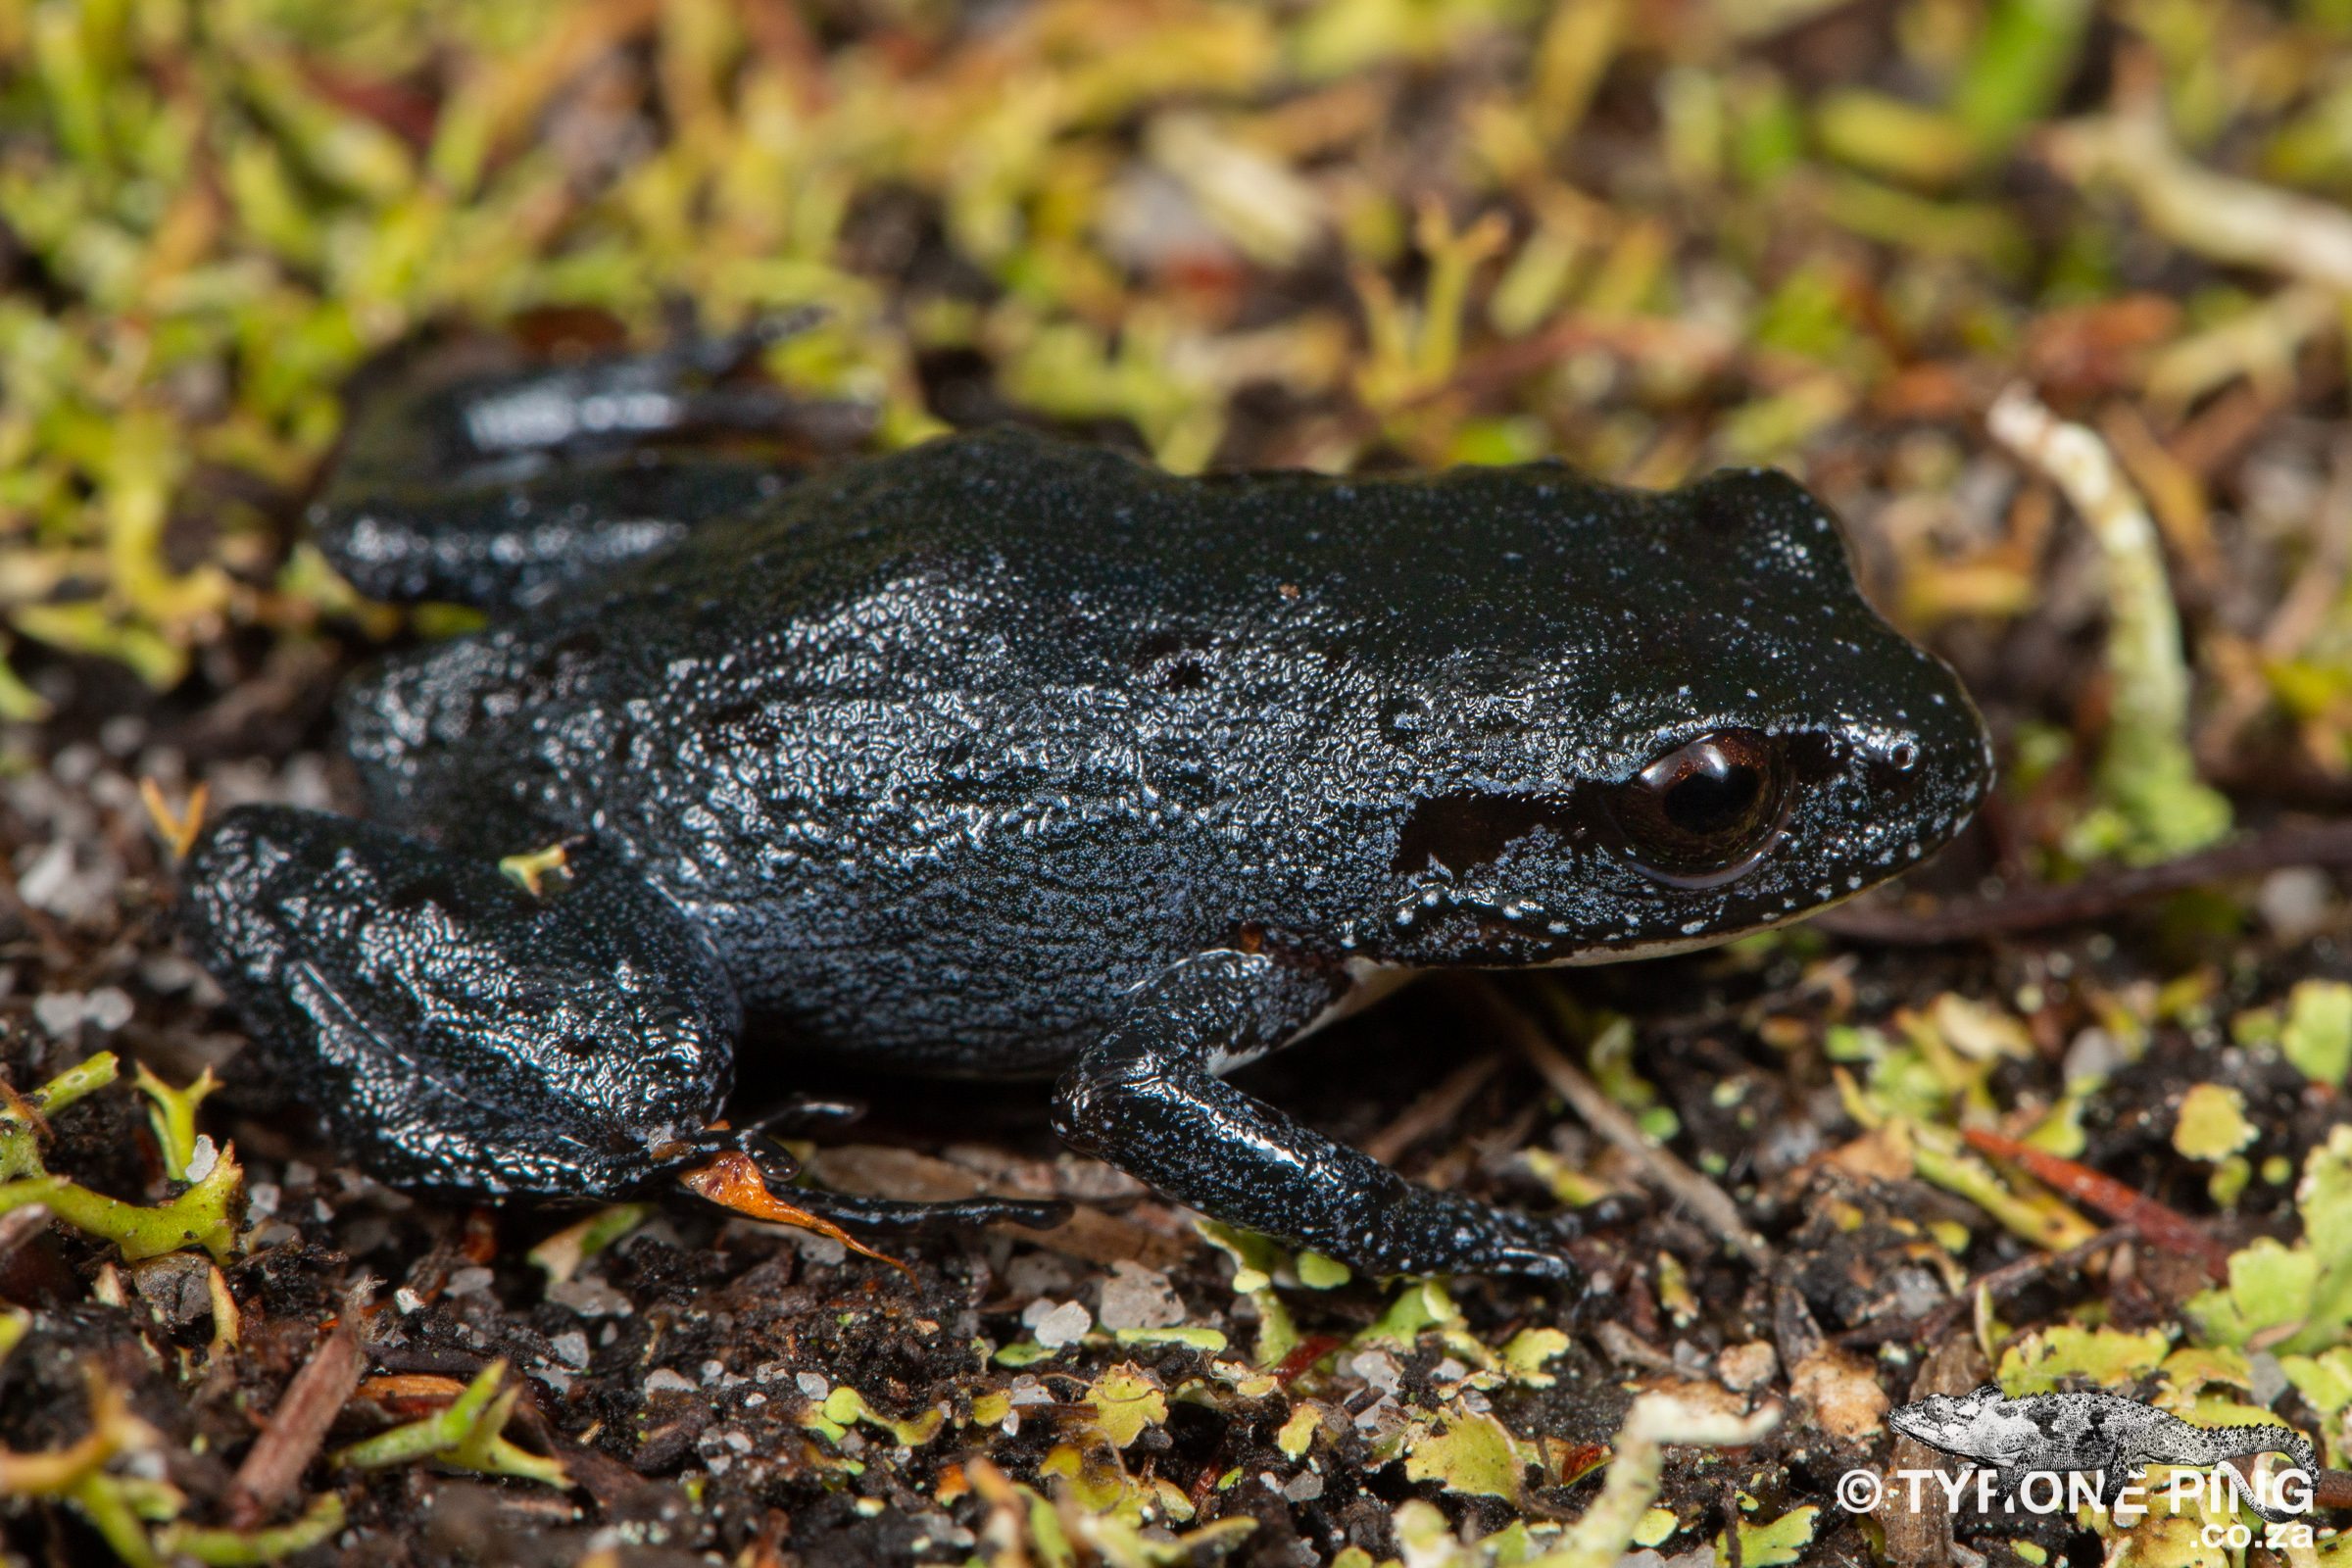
(1703, 811)
(1716, 796)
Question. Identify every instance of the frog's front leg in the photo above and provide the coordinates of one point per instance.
(1145, 1098)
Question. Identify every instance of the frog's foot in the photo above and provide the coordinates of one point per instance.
(457, 1029)
(778, 1167)
(735, 1182)
(802, 1111)
(1144, 1099)
(503, 490)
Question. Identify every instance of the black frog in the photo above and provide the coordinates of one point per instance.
(999, 755)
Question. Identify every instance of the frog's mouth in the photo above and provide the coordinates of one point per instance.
(1522, 934)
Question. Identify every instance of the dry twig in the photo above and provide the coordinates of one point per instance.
(2037, 908)
(1694, 1192)
(1432, 1111)
(312, 1401)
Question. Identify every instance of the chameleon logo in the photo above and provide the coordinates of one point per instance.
(2062, 1432)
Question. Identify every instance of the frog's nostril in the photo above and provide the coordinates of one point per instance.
(1895, 771)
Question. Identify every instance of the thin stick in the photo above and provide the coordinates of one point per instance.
(2219, 218)
(312, 1401)
(2157, 1222)
(2094, 897)
(1432, 1111)
(1694, 1192)
(2006, 1280)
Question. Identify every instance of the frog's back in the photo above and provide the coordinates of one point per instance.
(947, 749)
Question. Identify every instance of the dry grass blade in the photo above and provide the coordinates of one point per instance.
(2222, 218)
(1694, 1192)
(2159, 1223)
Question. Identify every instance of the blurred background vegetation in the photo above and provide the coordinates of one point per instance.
(1648, 238)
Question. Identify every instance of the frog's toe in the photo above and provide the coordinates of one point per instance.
(892, 1214)
(778, 1167)
(1526, 1244)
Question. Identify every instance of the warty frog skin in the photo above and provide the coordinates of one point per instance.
(1005, 757)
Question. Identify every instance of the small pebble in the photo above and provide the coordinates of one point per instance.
(1138, 1297)
(108, 1009)
(1378, 1368)
(2297, 903)
(812, 1383)
(1741, 1367)
(123, 734)
(68, 885)
(169, 972)
(571, 1348)
(1039, 1274)
(590, 1297)
(2092, 1054)
(58, 1013)
(72, 765)
(2269, 1378)
(472, 1281)
(665, 1380)
(1066, 1325)
(203, 1159)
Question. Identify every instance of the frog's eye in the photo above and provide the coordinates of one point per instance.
(1705, 813)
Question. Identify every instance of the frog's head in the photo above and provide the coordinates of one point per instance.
(1647, 723)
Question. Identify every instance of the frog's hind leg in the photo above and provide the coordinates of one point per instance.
(501, 491)
(455, 1028)
(1145, 1098)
